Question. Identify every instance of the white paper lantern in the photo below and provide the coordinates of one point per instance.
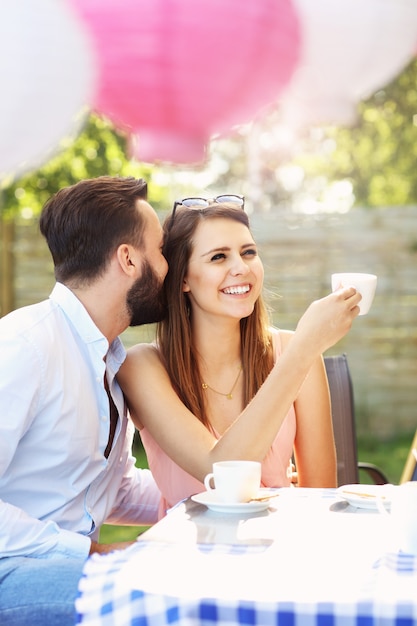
(47, 79)
(350, 48)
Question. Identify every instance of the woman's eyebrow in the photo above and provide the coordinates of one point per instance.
(227, 248)
(222, 249)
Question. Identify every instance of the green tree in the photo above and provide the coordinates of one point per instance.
(278, 169)
(98, 150)
(378, 154)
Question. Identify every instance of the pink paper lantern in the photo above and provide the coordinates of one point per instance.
(174, 72)
(350, 49)
(47, 79)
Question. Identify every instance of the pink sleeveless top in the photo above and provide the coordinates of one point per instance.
(176, 484)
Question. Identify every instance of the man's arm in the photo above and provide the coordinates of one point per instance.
(22, 535)
(20, 398)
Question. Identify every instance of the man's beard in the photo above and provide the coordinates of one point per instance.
(145, 300)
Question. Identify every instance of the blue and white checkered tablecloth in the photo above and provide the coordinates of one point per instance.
(111, 592)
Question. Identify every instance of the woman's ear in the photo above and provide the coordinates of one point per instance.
(185, 286)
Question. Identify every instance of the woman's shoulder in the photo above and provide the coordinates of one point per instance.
(142, 348)
(143, 353)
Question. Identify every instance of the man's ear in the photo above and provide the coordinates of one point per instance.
(127, 259)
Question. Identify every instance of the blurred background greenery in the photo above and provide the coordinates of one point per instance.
(370, 164)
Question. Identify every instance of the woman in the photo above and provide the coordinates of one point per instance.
(219, 383)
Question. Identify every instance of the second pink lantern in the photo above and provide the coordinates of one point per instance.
(174, 72)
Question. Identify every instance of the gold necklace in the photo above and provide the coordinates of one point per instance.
(226, 395)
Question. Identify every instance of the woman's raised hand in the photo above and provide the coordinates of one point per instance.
(327, 320)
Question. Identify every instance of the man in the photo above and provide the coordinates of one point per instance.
(65, 438)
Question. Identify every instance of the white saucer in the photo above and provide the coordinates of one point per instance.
(365, 496)
(210, 500)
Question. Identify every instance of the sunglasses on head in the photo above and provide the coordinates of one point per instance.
(201, 203)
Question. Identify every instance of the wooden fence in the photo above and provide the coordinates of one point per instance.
(300, 253)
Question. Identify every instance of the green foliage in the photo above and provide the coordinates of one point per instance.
(99, 150)
(377, 157)
(378, 154)
(390, 455)
(279, 167)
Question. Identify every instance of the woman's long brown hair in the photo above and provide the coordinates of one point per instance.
(174, 334)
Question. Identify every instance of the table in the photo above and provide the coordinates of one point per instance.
(310, 559)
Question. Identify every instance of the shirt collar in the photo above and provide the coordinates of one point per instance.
(77, 314)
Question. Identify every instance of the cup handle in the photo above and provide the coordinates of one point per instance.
(207, 482)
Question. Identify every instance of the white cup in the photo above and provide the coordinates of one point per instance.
(403, 517)
(364, 283)
(234, 481)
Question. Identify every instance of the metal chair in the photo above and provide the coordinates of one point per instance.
(343, 414)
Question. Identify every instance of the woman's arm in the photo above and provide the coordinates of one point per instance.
(154, 403)
(314, 447)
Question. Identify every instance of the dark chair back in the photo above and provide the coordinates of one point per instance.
(343, 414)
(344, 426)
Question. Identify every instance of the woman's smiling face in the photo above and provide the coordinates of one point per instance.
(225, 274)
